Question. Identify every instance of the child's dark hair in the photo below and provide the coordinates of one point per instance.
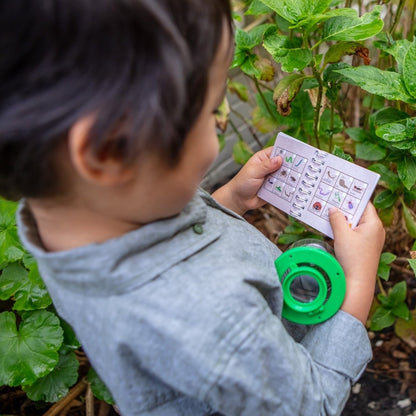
(140, 67)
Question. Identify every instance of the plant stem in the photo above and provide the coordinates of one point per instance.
(256, 82)
(332, 126)
(250, 127)
(380, 286)
(397, 16)
(412, 22)
(234, 127)
(318, 107)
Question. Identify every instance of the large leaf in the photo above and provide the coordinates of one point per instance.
(406, 169)
(29, 352)
(348, 28)
(25, 286)
(385, 199)
(369, 151)
(56, 384)
(391, 180)
(409, 73)
(294, 10)
(288, 52)
(389, 85)
(398, 49)
(382, 318)
(10, 247)
(338, 50)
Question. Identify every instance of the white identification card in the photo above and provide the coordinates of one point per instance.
(311, 181)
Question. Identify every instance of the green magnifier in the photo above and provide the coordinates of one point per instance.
(313, 282)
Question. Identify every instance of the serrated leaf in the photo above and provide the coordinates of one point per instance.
(29, 352)
(338, 50)
(406, 170)
(294, 10)
(340, 153)
(257, 8)
(288, 52)
(348, 28)
(387, 115)
(98, 388)
(385, 199)
(26, 287)
(387, 84)
(56, 384)
(397, 49)
(382, 318)
(409, 75)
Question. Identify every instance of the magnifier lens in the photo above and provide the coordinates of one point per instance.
(304, 288)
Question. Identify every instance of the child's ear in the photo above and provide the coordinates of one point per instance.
(103, 170)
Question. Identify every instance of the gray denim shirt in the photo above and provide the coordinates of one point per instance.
(182, 317)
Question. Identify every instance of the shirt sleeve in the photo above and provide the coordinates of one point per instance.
(270, 374)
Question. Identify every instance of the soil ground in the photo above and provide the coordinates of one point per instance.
(386, 388)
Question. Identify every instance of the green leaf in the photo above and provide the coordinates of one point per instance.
(385, 199)
(409, 75)
(392, 132)
(412, 264)
(398, 49)
(10, 247)
(383, 271)
(369, 151)
(357, 134)
(398, 293)
(348, 28)
(387, 258)
(29, 352)
(410, 220)
(389, 85)
(26, 287)
(288, 238)
(406, 169)
(98, 388)
(401, 311)
(387, 176)
(257, 8)
(340, 49)
(382, 318)
(340, 153)
(241, 152)
(56, 384)
(294, 10)
(406, 329)
(238, 88)
(288, 52)
(387, 115)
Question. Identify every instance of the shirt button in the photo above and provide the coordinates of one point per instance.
(198, 229)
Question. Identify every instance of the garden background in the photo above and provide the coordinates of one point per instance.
(337, 74)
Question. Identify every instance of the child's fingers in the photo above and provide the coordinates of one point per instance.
(338, 222)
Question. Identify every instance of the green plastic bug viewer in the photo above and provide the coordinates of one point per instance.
(313, 282)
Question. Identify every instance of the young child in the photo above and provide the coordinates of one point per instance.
(107, 126)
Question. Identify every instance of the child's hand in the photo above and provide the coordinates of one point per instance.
(240, 193)
(358, 252)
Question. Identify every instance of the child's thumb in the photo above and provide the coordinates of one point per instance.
(338, 221)
(272, 164)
